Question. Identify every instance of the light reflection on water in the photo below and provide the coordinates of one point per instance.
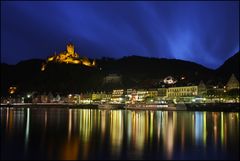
(42, 133)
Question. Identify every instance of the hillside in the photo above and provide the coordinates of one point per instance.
(136, 72)
(229, 66)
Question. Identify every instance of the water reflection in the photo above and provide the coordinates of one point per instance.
(27, 130)
(116, 131)
(122, 134)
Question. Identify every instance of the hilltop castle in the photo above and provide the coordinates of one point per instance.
(69, 57)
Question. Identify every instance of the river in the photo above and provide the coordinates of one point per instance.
(65, 133)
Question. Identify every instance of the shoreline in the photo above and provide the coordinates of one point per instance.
(51, 105)
(212, 107)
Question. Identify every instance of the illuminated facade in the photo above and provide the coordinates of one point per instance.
(97, 96)
(86, 98)
(152, 93)
(117, 96)
(141, 94)
(185, 91)
(69, 57)
(128, 95)
(101, 96)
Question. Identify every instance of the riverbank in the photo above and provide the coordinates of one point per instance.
(218, 107)
(51, 105)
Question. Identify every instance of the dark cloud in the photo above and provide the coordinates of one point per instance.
(203, 32)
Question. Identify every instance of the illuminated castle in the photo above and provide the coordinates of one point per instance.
(68, 57)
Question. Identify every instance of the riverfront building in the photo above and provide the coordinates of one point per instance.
(182, 91)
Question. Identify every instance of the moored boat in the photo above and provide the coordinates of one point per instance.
(110, 106)
(156, 106)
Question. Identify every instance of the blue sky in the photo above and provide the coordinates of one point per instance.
(203, 32)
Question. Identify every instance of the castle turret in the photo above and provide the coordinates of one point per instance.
(70, 48)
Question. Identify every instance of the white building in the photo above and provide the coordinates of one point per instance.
(112, 78)
(185, 91)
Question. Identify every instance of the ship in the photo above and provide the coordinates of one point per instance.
(110, 106)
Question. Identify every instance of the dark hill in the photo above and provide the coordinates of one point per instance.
(229, 66)
(136, 72)
(136, 68)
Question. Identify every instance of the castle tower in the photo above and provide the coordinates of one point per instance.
(70, 48)
(94, 63)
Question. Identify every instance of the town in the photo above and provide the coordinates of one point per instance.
(178, 94)
(122, 80)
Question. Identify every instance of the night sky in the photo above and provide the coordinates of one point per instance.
(203, 32)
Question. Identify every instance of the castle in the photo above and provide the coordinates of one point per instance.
(69, 57)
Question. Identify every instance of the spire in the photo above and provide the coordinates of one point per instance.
(202, 90)
(232, 83)
(202, 84)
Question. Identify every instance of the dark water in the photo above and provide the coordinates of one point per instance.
(31, 133)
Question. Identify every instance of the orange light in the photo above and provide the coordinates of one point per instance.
(12, 90)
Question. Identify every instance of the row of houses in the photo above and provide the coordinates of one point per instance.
(195, 93)
(192, 93)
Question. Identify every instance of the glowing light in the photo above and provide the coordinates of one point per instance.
(169, 80)
(12, 90)
(43, 67)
